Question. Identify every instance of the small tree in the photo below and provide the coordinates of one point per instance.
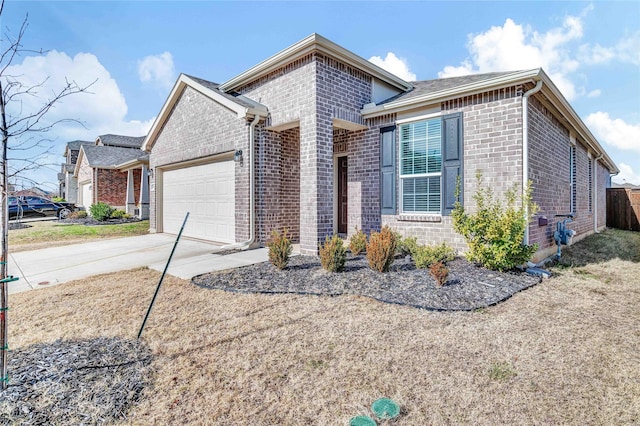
(495, 232)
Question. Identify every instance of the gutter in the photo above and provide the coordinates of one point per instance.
(595, 191)
(525, 150)
(252, 213)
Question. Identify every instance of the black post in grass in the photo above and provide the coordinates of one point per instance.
(163, 274)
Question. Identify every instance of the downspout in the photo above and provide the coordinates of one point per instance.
(595, 191)
(252, 213)
(525, 150)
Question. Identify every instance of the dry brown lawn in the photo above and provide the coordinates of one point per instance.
(564, 352)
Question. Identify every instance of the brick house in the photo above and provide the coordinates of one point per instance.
(318, 140)
(67, 182)
(113, 170)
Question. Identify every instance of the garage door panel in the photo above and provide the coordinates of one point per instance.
(208, 193)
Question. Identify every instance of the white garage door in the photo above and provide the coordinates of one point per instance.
(207, 192)
(85, 195)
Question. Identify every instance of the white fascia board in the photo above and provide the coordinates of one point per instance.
(348, 125)
(131, 164)
(443, 95)
(314, 42)
(184, 81)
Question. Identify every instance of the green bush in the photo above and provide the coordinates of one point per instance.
(407, 245)
(101, 211)
(58, 200)
(495, 232)
(425, 256)
(279, 249)
(358, 242)
(333, 254)
(118, 214)
(381, 249)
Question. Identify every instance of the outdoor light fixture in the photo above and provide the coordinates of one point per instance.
(237, 157)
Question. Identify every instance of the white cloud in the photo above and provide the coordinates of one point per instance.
(594, 93)
(157, 69)
(614, 132)
(393, 64)
(103, 110)
(626, 175)
(513, 46)
(626, 50)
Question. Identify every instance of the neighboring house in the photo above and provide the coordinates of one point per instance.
(318, 140)
(68, 183)
(33, 192)
(114, 171)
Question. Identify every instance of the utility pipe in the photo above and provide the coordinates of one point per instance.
(525, 150)
(595, 193)
(252, 202)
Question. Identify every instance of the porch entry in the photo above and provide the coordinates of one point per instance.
(342, 195)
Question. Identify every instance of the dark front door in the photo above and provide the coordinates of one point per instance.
(343, 199)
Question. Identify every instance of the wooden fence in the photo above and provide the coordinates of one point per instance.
(623, 208)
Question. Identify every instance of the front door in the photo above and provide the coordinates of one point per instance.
(343, 199)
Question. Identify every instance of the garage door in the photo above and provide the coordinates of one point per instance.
(206, 191)
(85, 195)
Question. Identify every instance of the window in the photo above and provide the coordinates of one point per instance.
(421, 166)
(572, 177)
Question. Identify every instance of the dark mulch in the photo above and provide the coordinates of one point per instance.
(468, 287)
(89, 221)
(18, 225)
(75, 382)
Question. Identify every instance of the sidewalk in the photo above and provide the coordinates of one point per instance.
(45, 267)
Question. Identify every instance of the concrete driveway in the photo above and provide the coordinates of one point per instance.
(46, 267)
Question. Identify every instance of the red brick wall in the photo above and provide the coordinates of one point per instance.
(111, 187)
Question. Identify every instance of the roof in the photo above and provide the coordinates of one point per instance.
(75, 146)
(425, 87)
(314, 42)
(241, 105)
(69, 167)
(120, 141)
(109, 157)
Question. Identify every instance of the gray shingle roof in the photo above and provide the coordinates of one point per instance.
(75, 145)
(69, 167)
(233, 96)
(122, 141)
(426, 87)
(112, 156)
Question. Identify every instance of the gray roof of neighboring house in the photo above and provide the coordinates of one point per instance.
(75, 145)
(122, 141)
(425, 87)
(233, 96)
(112, 156)
(69, 167)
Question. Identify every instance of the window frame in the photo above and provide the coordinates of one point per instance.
(402, 177)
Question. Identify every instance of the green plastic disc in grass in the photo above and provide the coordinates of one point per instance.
(384, 408)
(362, 421)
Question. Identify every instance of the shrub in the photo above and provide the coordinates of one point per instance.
(381, 249)
(425, 256)
(101, 211)
(58, 200)
(440, 272)
(333, 254)
(495, 232)
(79, 214)
(118, 214)
(358, 242)
(279, 249)
(407, 245)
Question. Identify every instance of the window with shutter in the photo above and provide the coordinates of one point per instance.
(388, 170)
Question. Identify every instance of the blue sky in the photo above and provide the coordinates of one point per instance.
(136, 50)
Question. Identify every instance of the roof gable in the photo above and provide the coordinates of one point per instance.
(241, 105)
(108, 157)
(314, 42)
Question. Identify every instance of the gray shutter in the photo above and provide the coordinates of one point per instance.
(452, 153)
(388, 170)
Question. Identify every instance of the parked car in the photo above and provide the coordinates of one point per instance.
(20, 207)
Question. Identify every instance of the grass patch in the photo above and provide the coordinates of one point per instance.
(52, 233)
(291, 359)
(502, 371)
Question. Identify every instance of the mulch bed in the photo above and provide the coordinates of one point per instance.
(75, 382)
(469, 287)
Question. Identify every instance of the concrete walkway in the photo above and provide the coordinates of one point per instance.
(46, 267)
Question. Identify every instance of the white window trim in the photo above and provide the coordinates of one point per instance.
(401, 177)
